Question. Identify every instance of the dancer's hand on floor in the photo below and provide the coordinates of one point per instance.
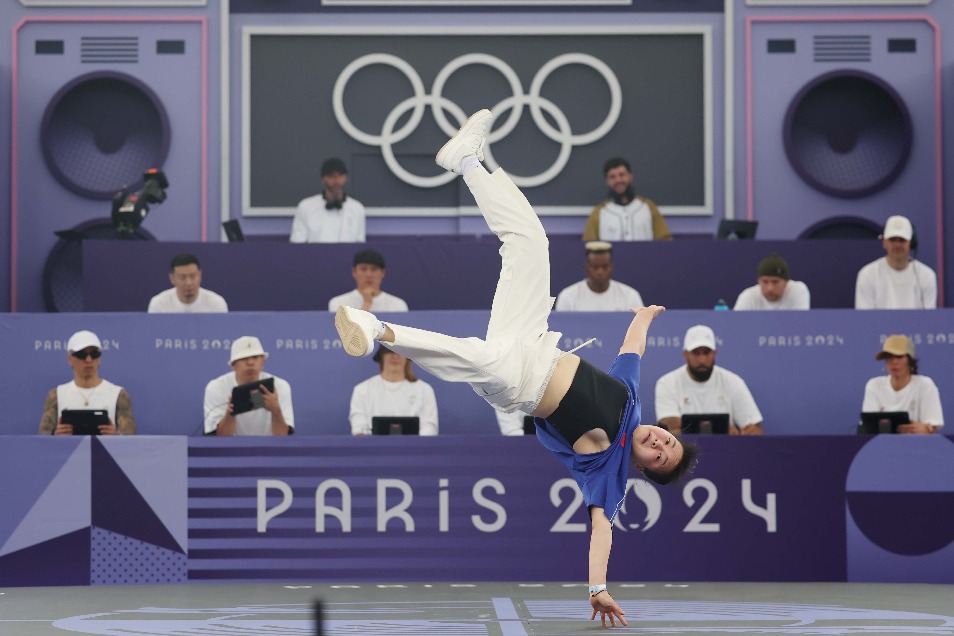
(604, 605)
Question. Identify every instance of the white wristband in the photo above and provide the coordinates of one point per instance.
(596, 589)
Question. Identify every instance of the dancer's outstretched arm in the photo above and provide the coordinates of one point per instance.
(601, 540)
(635, 340)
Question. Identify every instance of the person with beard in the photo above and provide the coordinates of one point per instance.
(332, 216)
(624, 216)
(702, 387)
(774, 289)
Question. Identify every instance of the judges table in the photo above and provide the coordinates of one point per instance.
(435, 273)
(806, 370)
(171, 509)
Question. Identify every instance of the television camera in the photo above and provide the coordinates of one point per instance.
(129, 209)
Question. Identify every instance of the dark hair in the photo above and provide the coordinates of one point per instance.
(689, 454)
(368, 257)
(913, 365)
(180, 260)
(333, 165)
(615, 162)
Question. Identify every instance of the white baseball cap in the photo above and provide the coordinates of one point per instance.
(82, 340)
(246, 347)
(898, 227)
(698, 336)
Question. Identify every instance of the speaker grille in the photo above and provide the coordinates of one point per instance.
(848, 134)
(101, 131)
(842, 48)
(109, 50)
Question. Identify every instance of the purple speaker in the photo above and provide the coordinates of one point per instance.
(842, 118)
(97, 102)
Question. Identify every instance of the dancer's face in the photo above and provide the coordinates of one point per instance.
(655, 449)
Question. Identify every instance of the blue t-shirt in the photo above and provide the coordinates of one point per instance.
(602, 476)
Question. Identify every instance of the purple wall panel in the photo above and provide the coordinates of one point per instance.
(461, 509)
(441, 273)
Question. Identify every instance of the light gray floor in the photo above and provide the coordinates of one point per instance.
(492, 609)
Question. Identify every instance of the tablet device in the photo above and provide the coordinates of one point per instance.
(233, 231)
(529, 428)
(705, 424)
(85, 421)
(394, 425)
(247, 397)
(877, 422)
(734, 229)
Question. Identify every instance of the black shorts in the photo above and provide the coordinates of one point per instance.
(594, 400)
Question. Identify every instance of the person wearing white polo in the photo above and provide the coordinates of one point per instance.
(699, 386)
(598, 291)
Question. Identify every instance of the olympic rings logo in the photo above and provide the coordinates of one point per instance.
(563, 134)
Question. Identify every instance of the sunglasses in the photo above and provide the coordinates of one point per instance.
(87, 353)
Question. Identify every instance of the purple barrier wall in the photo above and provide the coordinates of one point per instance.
(806, 370)
(460, 274)
(461, 509)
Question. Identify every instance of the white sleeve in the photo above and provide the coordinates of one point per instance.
(744, 409)
(428, 410)
(871, 403)
(510, 424)
(931, 411)
(358, 414)
(360, 222)
(299, 233)
(154, 305)
(803, 297)
(864, 294)
(215, 403)
(561, 302)
(928, 288)
(285, 401)
(667, 400)
(744, 301)
(636, 300)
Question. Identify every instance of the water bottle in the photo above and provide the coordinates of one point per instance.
(721, 306)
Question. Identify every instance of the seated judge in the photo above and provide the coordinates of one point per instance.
(394, 392)
(902, 388)
(275, 417)
(87, 391)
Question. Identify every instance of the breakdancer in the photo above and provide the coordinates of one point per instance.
(589, 419)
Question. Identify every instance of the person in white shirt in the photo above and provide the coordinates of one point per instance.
(903, 389)
(275, 416)
(187, 295)
(394, 392)
(774, 289)
(368, 272)
(624, 216)
(897, 281)
(332, 216)
(598, 291)
(701, 387)
(87, 391)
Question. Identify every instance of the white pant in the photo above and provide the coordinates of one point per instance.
(512, 366)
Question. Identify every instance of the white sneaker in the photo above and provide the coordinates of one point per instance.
(469, 140)
(356, 329)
